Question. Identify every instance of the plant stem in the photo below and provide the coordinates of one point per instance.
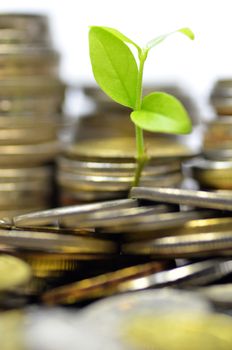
(141, 156)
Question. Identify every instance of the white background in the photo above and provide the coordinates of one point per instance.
(195, 64)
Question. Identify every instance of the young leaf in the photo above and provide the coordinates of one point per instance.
(162, 112)
(159, 39)
(114, 66)
(120, 36)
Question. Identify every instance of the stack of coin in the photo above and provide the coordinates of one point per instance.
(31, 98)
(212, 174)
(218, 135)
(140, 240)
(221, 97)
(103, 168)
(217, 142)
(60, 256)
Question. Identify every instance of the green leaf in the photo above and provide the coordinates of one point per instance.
(159, 39)
(120, 36)
(114, 66)
(161, 112)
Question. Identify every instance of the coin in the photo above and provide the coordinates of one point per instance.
(12, 330)
(188, 245)
(220, 294)
(149, 224)
(196, 274)
(124, 148)
(182, 196)
(123, 169)
(51, 242)
(110, 183)
(212, 174)
(49, 216)
(221, 97)
(183, 330)
(14, 272)
(99, 286)
(40, 153)
(113, 218)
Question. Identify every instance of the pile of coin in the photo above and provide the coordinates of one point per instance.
(100, 169)
(31, 98)
(84, 252)
(213, 170)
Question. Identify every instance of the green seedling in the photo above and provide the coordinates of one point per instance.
(117, 72)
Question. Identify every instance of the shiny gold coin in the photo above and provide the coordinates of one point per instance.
(124, 149)
(115, 169)
(12, 330)
(113, 183)
(213, 174)
(177, 331)
(14, 272)
(100, 286)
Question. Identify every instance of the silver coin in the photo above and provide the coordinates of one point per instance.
(189, 245)
(113, 218)
(151, 223)
(54, 215)
(52, 242)
(200, 273)
(202, 199)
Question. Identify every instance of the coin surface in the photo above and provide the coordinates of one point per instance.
(124, 148)
(182, 196)
(188, 245)
(182, 331)
(14, 272)
(52, 242)
(49, 216)
(195, 274)
(99, 286)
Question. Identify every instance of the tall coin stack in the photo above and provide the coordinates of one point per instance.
(214, 171)
(31, 97)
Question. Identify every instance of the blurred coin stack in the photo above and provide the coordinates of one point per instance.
(214, 170)
(100, 169)
(31, 97)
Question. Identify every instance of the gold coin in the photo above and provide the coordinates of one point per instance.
(124, 148)
(100, 286)
(14, 272)
(177, 331)
(12, 330)
(78, 182)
